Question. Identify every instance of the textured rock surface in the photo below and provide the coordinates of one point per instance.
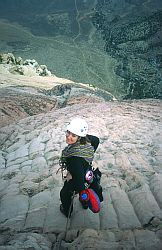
(129, 157)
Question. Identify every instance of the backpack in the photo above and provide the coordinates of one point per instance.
(92, 199)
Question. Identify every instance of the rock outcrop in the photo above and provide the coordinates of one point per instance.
(28, 67)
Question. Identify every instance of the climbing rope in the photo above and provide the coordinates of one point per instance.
(69, 213)
(63, 235)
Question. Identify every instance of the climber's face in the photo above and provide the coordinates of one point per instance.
(71, 138)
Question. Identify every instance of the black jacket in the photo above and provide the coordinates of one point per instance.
(77, 166)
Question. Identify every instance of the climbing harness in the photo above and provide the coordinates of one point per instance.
(90, 174)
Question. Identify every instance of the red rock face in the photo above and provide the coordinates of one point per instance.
(10, 112)
(13, 109)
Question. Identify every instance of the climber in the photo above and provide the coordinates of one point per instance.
(81, 179)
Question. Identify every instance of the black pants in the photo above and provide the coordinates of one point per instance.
(68, 189)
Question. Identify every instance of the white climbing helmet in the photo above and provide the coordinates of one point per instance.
(78, 126)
